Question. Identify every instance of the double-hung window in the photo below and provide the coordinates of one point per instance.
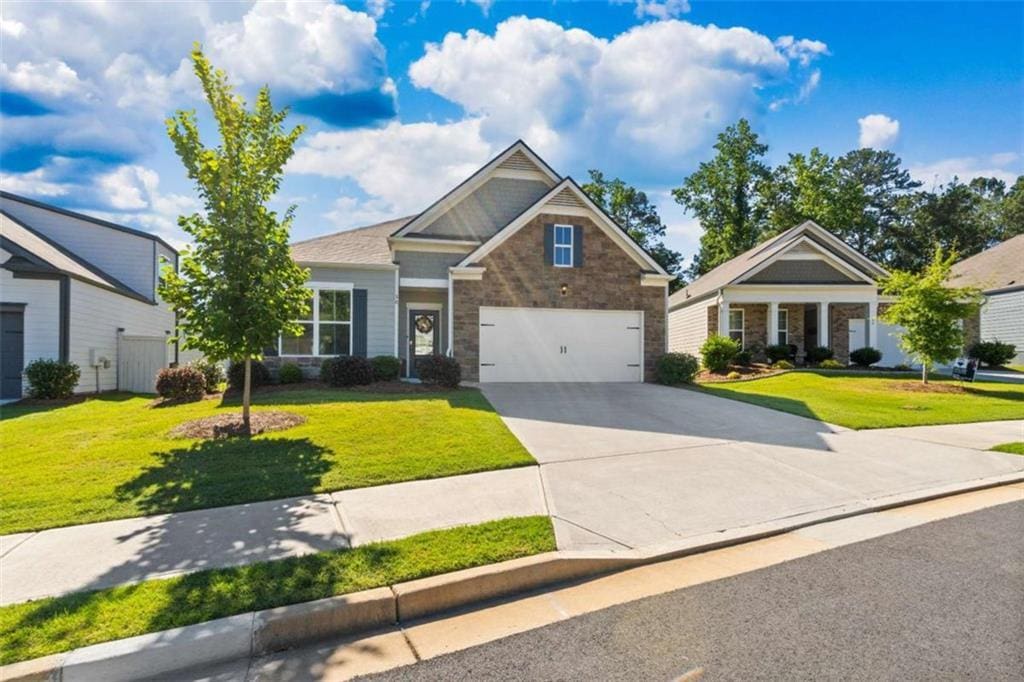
(782, 323)
(328, 331)
(736, 325)
(563, 246)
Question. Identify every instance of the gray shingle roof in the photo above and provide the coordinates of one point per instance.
(1000, 267)
(360, 246)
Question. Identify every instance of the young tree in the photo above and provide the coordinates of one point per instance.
(238, 288)
(930, 311)
(633, 211)
(724, 196)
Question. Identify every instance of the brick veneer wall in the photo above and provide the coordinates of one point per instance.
(795, 323)
(840, 314)
(517, 276)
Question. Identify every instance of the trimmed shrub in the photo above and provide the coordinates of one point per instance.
(386, 368)
(818, 355)
(259, 375)
(744, 358)
(213, 374)
(829, 363)
(778, 352)
(673, 369)
(733, 375)
(718, 352)
(992, 353)
(182, 384)
(290, 373)
(346, 370)
(782, 364)
(440, 370)
(866, 356)
(51, 379)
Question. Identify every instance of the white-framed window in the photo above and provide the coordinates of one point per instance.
(563, 246)
(782, 323)
(328, 331)
(736, 325)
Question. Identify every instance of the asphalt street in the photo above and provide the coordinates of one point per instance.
(942, 601)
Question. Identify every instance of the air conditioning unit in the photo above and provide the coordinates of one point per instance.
(98, 359)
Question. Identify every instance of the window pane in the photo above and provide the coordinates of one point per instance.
(783, 338)
(563, 255)
(783, 320)
(736, 320)
(334, 339)
(298, 345)
(736, 336)
(563, 234)
(423, 326)
(334, 306)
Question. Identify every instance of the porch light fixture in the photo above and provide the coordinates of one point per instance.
(565, 289)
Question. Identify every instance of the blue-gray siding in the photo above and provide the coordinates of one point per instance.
(492, 206)
(426, 264)
(380, 302)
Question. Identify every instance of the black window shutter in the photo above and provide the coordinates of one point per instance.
(549, 244)
(577, 246)
(359, 322)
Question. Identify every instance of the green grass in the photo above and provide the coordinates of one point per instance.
(862, 401)
(110, 457)
(57, 624)
(1015, 368)
(1012, 448)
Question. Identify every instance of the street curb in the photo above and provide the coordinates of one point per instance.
(263, 632)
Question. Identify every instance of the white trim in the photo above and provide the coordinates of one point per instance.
(843, 267)
(594, 213)
(842, 246)
(824, 325)
(409, 305)
(555, 246)
(424, 282)
(316, 287)
(743, 322)
(516, 174)
(432, 245)
(397, 326)
(474, 181)
(650, 279)
(781, 328)
(801, 293)
(451, 314)
(468, 272)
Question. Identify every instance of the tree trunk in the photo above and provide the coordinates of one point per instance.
(246, 389)
(924, 372)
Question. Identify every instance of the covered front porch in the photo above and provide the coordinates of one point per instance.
(841, 318)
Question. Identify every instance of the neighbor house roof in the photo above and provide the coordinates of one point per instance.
(732, 270)
(995, 269)
(22, 241)
(360, 246)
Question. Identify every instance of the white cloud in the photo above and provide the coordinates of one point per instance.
(878, 131)
(1004, 166)
(661, 9)
(139, 85)
(11, 28)
(378, 8)
(347, 212)
(484, 5)
(32, 183)
(404, 167)
(804, 51)
(52, 78)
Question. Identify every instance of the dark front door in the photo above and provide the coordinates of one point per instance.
(12, 352)
(424, 337)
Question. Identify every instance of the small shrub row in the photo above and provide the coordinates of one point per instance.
(992, 353)
(817, 355)
(866, 356)
(673, 369)
(213, 373)
(259, 375)
(440, 370)
(181, 384)
(51, 379)
(778, 351)
(829, 363)
(346, 370)
(289, 373)
(782, 364)
(718, 351)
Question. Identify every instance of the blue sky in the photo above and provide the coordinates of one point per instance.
(403, 100)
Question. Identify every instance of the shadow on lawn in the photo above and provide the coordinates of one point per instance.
(34, 406)
(315, 393)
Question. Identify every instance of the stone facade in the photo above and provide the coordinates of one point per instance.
(840, 315)
(795, 323)
(517, 276)
(309, 364)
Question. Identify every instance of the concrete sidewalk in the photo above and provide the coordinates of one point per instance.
(98, 555)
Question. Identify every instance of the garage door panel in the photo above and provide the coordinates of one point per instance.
(529, 344)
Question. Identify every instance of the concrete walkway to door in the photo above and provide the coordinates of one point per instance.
(639, 465)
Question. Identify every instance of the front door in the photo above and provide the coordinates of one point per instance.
(424, 337)
(12, 352)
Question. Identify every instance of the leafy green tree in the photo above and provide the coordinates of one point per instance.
(1011, 210)
(238, 288)
(725, 196)
(930, 311)
(634, 212)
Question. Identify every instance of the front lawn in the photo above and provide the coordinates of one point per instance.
(56, 624)
(877, 401)
(1012, 448)
(111, 457)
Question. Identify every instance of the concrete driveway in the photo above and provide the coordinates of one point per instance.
(639, 465)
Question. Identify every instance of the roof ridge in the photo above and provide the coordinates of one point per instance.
(354, 229)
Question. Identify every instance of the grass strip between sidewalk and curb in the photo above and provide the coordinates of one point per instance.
(57, 624)
(1016, 448)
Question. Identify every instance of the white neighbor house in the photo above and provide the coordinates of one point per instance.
(77, 288)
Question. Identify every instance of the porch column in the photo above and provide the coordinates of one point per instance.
(824, 329)
(873, 324)
(773, 323)
(723, 318)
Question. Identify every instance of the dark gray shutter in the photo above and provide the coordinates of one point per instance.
(549, 244)
(577, 246)
(359, 322)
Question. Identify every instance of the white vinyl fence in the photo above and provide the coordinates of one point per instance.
(139, 359)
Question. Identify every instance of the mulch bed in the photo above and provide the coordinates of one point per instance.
(918, 387)
(746, 374)
(230, 425)
(390, 387)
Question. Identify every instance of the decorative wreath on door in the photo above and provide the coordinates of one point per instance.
(424, 324)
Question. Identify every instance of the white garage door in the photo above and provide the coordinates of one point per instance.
(528, 344)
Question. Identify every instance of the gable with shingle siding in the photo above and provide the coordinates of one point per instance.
(489, 208)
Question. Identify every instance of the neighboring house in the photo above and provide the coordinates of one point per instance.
(81, 289)
(515, 272)
(999, 273)
(802, 288)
